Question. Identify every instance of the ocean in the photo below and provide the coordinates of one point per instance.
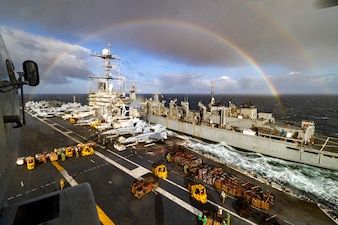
(319, 185)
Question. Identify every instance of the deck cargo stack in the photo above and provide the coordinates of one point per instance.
(232, 185)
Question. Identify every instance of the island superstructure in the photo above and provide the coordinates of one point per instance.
(109, 100)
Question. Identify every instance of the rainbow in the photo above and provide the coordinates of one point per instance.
(212, 34)
(49, 70)
(193, 27)
(284, 32)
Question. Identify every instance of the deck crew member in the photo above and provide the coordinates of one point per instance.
(168, 157)
(62, 183)
(205, 220)
(185, 169)
(223, 196)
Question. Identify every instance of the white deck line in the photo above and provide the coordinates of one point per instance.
(139, 172)
(124, 169)
(68, 178)
(178, 201)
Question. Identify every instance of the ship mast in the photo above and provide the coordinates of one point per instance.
(212, 100)
(107, 56)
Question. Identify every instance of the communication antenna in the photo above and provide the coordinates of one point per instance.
(107, 56)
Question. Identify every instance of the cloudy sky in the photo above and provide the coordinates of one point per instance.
(178, 46)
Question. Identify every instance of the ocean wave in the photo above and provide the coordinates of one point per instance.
(318, 185)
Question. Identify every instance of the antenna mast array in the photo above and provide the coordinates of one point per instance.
(107, 56)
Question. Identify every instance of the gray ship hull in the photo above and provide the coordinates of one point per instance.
(286, 150)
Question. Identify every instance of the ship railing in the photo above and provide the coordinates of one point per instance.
(299, 142)
(324, 143)
(289, 124)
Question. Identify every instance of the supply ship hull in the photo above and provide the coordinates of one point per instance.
(247, 130)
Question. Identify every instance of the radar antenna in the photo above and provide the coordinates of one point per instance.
(107, 56)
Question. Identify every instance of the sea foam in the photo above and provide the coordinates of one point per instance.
(315, 184)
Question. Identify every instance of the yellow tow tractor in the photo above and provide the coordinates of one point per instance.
(86, 149)
(69, 152)
(198, 192)
(30, 162)
(160, 170)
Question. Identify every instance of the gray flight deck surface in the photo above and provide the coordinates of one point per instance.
(111, 185)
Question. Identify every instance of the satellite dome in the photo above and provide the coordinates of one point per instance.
(105, 52)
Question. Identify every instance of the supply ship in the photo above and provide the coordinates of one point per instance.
(247, 129)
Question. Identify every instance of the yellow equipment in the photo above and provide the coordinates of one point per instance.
(95, 124)
(53, 156)
(87, 150)
(160, 170)
(40, 158)
(72, 120)
(30, 162)
(144, 186)
(69, 152)
(198, 192)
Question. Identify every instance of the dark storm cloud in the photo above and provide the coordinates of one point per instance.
(289, 34)
(292, 33)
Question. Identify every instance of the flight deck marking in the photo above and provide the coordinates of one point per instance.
(104, 219)
(135, 173)
(179, 201)
(32, 190)
(57, 129)
(164, 192)
(65, 174)
(85, 171)
(69, 178)
(57, 165)
(121, 157)
(139, 171)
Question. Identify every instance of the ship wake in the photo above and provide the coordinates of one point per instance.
(307, 182)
